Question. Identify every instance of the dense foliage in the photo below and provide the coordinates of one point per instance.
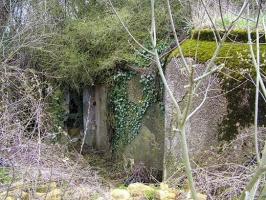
(91, 45)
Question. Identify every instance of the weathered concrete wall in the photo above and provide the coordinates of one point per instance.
(148, 146)
(202, 128)
(89, 121)
(102, 138)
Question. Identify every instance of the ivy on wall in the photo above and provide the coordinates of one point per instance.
(128, 115)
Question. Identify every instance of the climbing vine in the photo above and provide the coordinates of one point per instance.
(57, 113)
(128, 115)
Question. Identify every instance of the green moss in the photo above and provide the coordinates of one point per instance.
(5, 178)
(233, 55)
(238, 68)
(235, 35)
(150, 194)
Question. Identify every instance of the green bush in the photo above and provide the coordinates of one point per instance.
(89, 48)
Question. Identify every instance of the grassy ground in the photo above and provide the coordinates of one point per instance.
(111, 171)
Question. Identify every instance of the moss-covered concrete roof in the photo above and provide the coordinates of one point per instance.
(238, 63)
(234, 55)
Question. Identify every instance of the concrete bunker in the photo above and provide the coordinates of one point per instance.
(135, 118)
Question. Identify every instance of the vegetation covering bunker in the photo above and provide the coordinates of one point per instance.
(126, 118)
(74, 81)
(135, 118)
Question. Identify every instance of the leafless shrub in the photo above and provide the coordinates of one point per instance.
(26, 128)
(25, 132)
(217, 9)
(140, 174)
(222, 172)
(225, 181)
